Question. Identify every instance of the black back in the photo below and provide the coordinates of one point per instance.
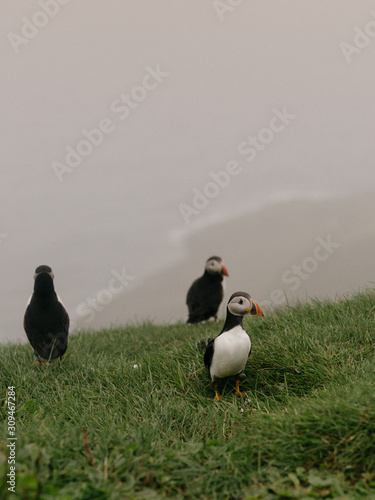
(46, 321)
(204, 297)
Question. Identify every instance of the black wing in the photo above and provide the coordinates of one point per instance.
(193, 296)
(209, 352)
(203, 299)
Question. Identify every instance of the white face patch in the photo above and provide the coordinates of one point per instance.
(239, 306)
(213, 266)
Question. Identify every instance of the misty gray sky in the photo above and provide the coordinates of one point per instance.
(176, 89)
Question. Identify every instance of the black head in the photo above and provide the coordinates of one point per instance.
(43, 284)
(43, 269)
(240, 303)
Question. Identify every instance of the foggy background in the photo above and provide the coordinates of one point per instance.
(179, 87)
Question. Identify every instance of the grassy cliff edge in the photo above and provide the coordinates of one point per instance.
(129, 412)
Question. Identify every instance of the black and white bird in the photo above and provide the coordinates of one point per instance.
(46, 321)
(226, 355)
(206, 293)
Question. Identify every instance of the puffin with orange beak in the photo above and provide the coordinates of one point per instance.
(206, 293)
(226, 355)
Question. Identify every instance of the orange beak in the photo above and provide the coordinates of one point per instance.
(259, 311)
(224, 271)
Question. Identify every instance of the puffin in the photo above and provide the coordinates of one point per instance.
(206, 293)
(226, 355)
(46, 321)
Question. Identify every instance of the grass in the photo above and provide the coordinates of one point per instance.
(95, 427)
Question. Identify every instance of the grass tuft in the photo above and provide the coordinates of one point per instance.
(129, 413)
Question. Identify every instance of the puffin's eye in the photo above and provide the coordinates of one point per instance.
(241, 301)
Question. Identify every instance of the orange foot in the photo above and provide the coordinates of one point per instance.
(238, 392)
(217, 397)
(38, 362)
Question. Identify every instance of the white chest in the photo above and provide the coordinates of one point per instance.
(231, 351)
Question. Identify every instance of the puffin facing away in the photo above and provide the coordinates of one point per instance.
(226, 355)
(206, 293)
(46, 321)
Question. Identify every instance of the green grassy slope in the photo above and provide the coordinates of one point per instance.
(305, 430)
